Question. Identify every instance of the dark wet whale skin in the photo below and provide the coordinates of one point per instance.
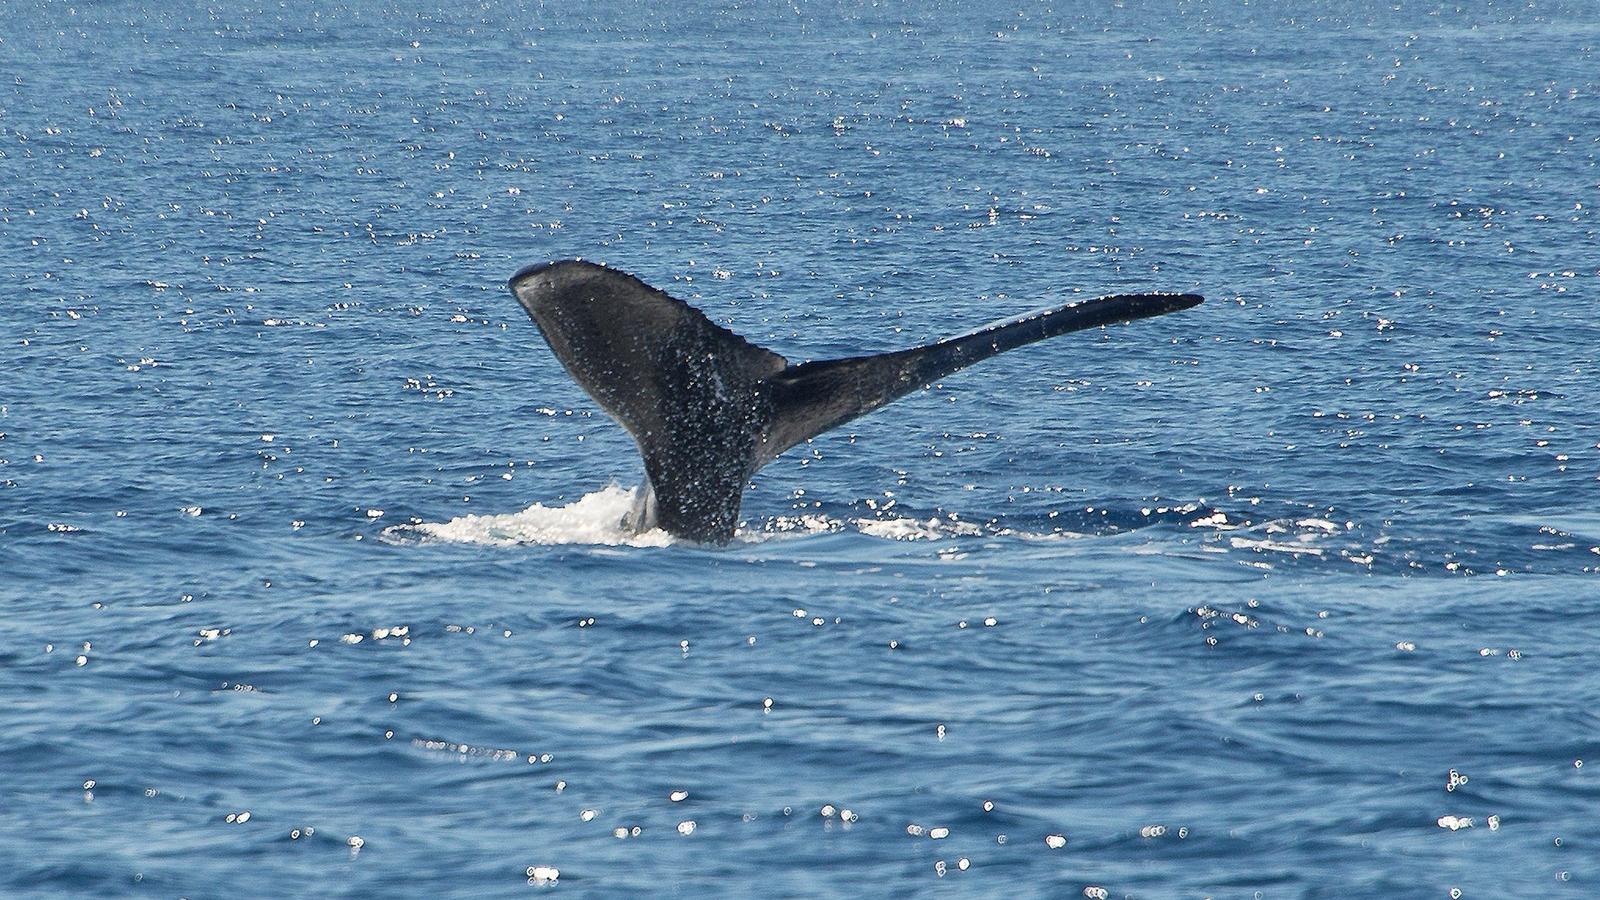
(708, 408)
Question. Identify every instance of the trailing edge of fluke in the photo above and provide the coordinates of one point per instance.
(708, 408)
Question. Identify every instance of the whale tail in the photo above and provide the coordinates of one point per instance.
(708, 408)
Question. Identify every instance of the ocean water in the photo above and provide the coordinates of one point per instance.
(310, 564)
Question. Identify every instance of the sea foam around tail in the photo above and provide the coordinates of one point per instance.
(595, 518)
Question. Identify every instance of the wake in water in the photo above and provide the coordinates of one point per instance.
(1277, 541)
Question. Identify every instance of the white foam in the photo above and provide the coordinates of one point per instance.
(899, 529)
(595, 518)
(1276, 546)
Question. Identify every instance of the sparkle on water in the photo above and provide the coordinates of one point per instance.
(311, 552)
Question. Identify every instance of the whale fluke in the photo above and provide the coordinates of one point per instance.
(708, 408)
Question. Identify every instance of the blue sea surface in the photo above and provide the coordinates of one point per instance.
(311, 564)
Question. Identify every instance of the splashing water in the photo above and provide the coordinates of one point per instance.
(595, 518)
